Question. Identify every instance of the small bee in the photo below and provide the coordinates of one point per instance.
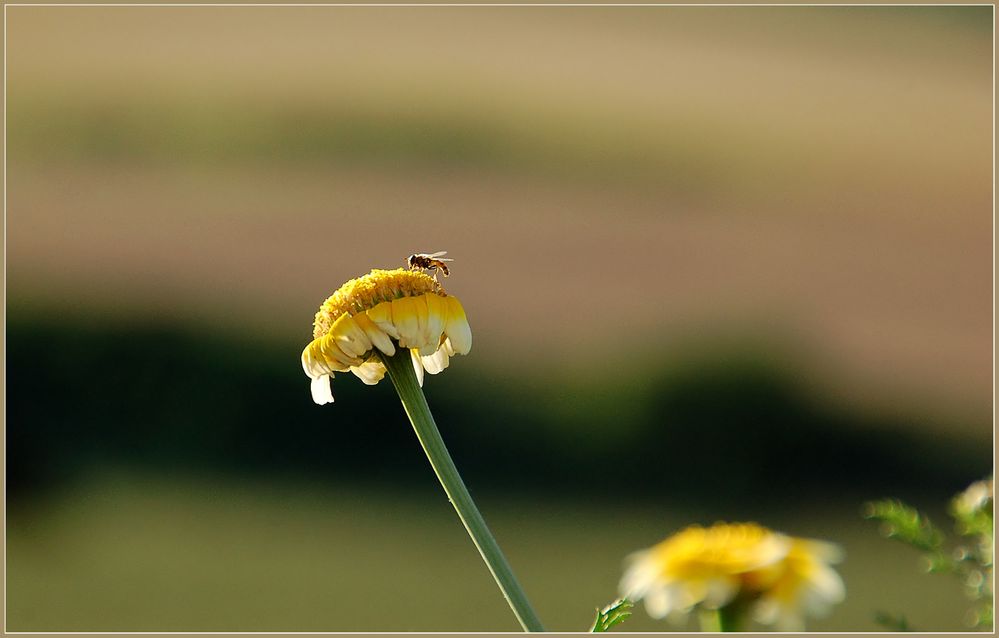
(435, 261)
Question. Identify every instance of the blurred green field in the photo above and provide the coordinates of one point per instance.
(132, 551)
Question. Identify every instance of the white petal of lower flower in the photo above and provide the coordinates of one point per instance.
(772, 549)
(321, 391)
(823, 551)
(661, 601)
(766, 610)
(642, 572)
(719, 591)
(693, 592)
(823, 589)
(829, 584)
(784, 616)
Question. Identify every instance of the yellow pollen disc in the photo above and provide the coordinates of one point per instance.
(367, 291)
(720, 549)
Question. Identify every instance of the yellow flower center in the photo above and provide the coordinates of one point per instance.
(367, 291)
(720, 549)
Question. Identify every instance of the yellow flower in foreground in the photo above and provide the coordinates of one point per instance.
(780, 578)
(377, 313)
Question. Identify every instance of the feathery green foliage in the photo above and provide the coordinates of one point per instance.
(968, 557)
(973, 516)
(613, 614)
(906, 524)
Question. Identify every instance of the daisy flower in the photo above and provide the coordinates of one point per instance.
(734, 568)
(376, 314)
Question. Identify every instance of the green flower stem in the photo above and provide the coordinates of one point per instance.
(710, 620)
(400, 370)
(730, 617)
(725, 619)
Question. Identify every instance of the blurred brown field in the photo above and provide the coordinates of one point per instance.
(820, 172)
(618, 187)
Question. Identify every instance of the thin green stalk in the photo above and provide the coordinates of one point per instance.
(725, 619)
(400, 370)
(710, 620)
(730, 617)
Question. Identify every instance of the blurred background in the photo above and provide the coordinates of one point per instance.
(719, 263)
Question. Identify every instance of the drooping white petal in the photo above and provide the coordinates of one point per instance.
(660, 601)
(766, 610)
(314, 362)
(335, 358)
(417, 365)
(456, 328)
(349, 336)
(381, 315)
(370, 372)
(306, 362)
(406, 312)
(375, 334)
(640, 575)
(823, 589)
(437, 362)
(309, 363)
(693, 592)
(321, 391)
(719, 592)
(823, 551)
(783, 615)
(437, 310)
(773, 548)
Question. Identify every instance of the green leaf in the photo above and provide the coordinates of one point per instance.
(906, 524)
(611, 615)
